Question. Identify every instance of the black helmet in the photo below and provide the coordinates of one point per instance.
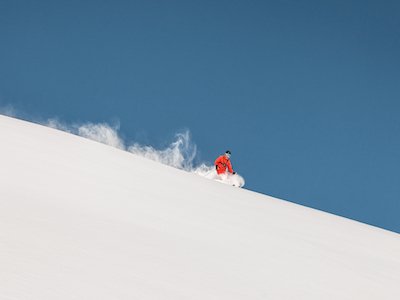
(228, 152)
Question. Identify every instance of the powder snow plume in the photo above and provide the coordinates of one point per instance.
(102, 132)
(8, 110)
(180, 153)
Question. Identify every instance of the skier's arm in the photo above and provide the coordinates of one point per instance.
(218, 161)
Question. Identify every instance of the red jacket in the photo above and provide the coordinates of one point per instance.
(221, 163)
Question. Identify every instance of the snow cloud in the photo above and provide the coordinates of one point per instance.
(102, 133)
(8, 110)
(180, 153)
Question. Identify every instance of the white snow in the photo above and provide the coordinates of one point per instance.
(82, 220)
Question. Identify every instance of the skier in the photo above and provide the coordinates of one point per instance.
(223, 162)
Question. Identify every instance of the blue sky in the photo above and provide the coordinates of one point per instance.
(306, 94)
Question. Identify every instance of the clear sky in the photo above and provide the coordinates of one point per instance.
(306, 94)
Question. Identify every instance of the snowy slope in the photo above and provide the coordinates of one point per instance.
(82, 220)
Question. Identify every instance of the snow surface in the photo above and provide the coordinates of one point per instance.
(82, 220)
